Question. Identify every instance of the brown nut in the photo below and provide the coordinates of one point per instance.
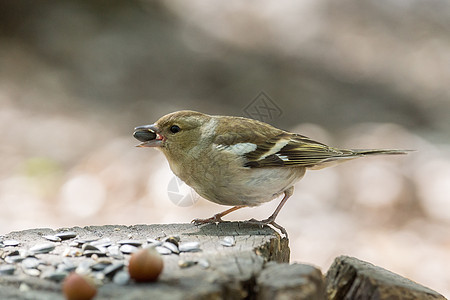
(145, 265)
(78, 287)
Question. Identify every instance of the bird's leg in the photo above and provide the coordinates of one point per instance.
(271, 220)
(217, 218)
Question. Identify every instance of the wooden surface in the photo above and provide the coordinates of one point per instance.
(256, 266)
(231, 273)
(351, 278)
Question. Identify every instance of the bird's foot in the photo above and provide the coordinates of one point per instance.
(214, 219)
(269, 221)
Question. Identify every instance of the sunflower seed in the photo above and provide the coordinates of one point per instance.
(114, 251)
(173, 239)
(42, 248)
(65, 235)
(54, 275)
(13, 253)
(186, 263)
(121, 278)
(30, 263)
(85, 240)
(154, 241)
(128, 249)
(93, 253)
(52, 238)
(89, 247)
(113, 268)
(105, 242)
(11, 259)
(66, 266)
(11, 243)
(135, 243)
(228, 241)
(98, 276)
(24, 287)
(189, 247)
(163, 250)
(75, 244)
(100, 266)
(172, 247)
(7, 269)
(32, 272)
(84, 267)
(144, 135)
(204, 263)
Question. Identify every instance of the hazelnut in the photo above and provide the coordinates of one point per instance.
(78, 287)
(145, 265)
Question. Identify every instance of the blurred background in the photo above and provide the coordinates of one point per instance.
(77, 76)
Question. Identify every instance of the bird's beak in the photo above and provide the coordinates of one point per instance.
(148, 135)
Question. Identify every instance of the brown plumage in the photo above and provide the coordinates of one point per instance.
(239, 161)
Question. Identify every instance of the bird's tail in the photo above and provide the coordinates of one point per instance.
(364, 152)
(346, 155)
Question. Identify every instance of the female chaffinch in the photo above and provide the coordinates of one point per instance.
(238, 161)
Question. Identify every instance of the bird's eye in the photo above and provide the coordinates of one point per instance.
(175, 128)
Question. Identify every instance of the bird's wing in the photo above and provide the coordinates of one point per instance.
(294, 150)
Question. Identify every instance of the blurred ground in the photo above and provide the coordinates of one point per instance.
(76, 78)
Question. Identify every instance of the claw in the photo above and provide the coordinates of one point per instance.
(213, 219)
(269, 221)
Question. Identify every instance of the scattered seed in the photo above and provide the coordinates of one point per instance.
(163, 250)
(66, 267)
(171, 247)
(99, 276)
(135, 243)
(204, 263)
(75, 244)
(7, 269)
(13, 253)
(121, 278)
(92, 253)
(11, 243)
(85, 240)
(128, 249)
(173, 239)
(228, 241)
(100, 266)
(32, 272)
(105, 242)
(114, 251)
(65, 235)
(30, 263)
(24, 287)
(189, 247)
(154, 241)
(84, 267)
(113, 268)
(52, 238)
(89, 247)
(186, 263)
(42, 248)
(11, 259)
(54, 275)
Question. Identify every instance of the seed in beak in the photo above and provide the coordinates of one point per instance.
(144, 135)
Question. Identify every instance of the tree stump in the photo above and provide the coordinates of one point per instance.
(232, 260)
(351, 278)
(221, 268)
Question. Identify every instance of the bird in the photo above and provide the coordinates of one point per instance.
(240, 162)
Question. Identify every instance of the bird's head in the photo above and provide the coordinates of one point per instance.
(175, 132)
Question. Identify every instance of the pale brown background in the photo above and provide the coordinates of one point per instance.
(77, 76)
